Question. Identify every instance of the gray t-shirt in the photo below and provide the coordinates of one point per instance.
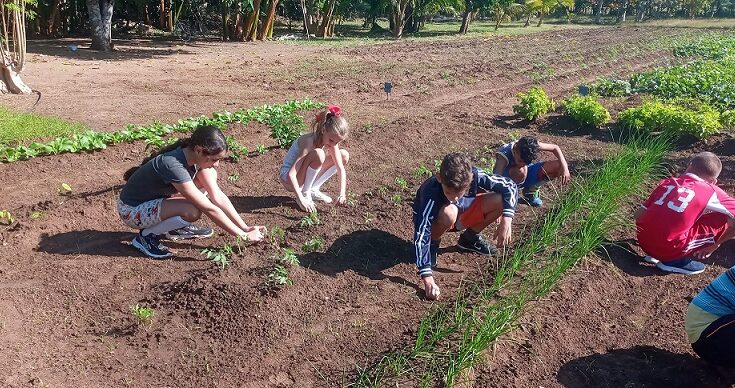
(154, 179)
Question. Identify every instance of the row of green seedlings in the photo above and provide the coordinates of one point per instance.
(286, 126)
(7, 218)
(452, 337)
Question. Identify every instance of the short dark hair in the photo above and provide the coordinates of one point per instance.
(528, 148)
(706, 165)
(456, 171)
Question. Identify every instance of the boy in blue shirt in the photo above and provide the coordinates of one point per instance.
(517, 160)
(460, 197)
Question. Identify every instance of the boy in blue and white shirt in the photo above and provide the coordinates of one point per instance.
(517, 160)
(460, 197)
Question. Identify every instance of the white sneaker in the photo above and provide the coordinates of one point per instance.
(650, 259)
(318, 195)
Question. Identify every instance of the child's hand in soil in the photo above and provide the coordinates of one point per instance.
(430, 288)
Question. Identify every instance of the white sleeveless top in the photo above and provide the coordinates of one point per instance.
(291, 156)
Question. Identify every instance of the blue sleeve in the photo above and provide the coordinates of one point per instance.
(503, 186)
(424, 212)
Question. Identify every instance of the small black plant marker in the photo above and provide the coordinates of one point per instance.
(388, 88)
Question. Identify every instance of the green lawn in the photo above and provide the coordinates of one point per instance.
(21, 127)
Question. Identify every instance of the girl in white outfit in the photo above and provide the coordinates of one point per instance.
(315, 157)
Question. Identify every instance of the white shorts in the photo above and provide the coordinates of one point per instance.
(143, 216)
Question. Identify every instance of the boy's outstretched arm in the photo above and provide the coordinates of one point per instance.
(500, 163)
(556, 150)
(423, 217)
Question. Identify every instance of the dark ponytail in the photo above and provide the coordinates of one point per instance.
(209, 137)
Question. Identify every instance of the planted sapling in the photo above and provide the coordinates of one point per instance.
(6, 218)
(401, 183)
(310, 220)
(279, 276)
(288, 258)
(277, 236)
(313, 245)
(261, 149)
(234, 177)
(143, 314)
(222, 256)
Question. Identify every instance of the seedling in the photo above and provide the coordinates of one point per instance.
(313, 245)
(37, 214)
(514, 135)
(232, 178)
(437, 164)
(64, 189)
(260, 149)
(396, 198)
(288, 258)
(6, 218)
(351, 199)
(221, 257)
(310, 220)
(368, 217)
(383, 190)
(277, 236)
(422, 171)
(279, 276)
(401, 183)
(143, 314)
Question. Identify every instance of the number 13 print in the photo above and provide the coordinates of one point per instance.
(684, 199)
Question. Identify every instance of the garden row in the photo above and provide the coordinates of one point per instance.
(284, 121)
(695, 98)
(452, 337)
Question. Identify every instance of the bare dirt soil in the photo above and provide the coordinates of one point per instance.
(69, 275)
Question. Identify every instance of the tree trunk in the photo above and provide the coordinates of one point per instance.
(251, 25)
(327, 20)
(540, 19)
(498, 16)
(10, 81)
(265, 30)
(598, 15)
(162, 18)
(569, 15)
(54, 21)
(528, 20)
(100, 19)
(169, 16)
(225, 21)
(466, 17)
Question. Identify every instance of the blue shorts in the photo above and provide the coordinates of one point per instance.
(534, 176)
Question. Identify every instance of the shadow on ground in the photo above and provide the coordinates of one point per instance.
(641, 366)
(366, 252)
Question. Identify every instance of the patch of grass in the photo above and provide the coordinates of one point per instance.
(18, 127)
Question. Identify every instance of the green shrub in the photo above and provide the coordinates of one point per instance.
(586, 111)
(611, 87)
(727, 119)
(657, 116)
(533, 104)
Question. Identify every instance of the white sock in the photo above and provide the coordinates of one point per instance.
(324, 177)
(309, 179)
(166, 225)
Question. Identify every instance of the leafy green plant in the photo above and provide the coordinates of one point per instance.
(533, 104)
(437, 164)
(710, 47)
(422, 172)
(287, 258)
(37, 214)
(310, 220)
(514, 135)
(143, 314)
(727, 118)
(234, 177)
(611, 87)
(657, 116)
(312, 245)
(6, 218)
(261, 149)
(401, 183)
(277, 236)
(368, 217)
(396, 198)
(587, 111)
(221, 257)
(279, 276)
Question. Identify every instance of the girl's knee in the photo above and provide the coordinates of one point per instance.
(191, 214)
(317, 157)
(345, 156)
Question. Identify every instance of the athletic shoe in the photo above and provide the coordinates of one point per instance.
(189, 232)
(318, 195)
(151, 246)
(476, 244)
(651, 259)
(434, 252)
(532, 199)
(686, 266)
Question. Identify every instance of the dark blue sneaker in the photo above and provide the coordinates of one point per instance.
(474, 242)
(189, 232)
(532, 199)
(686, 266)
(151, 246)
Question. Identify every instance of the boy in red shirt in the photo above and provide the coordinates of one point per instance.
(686, 217)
